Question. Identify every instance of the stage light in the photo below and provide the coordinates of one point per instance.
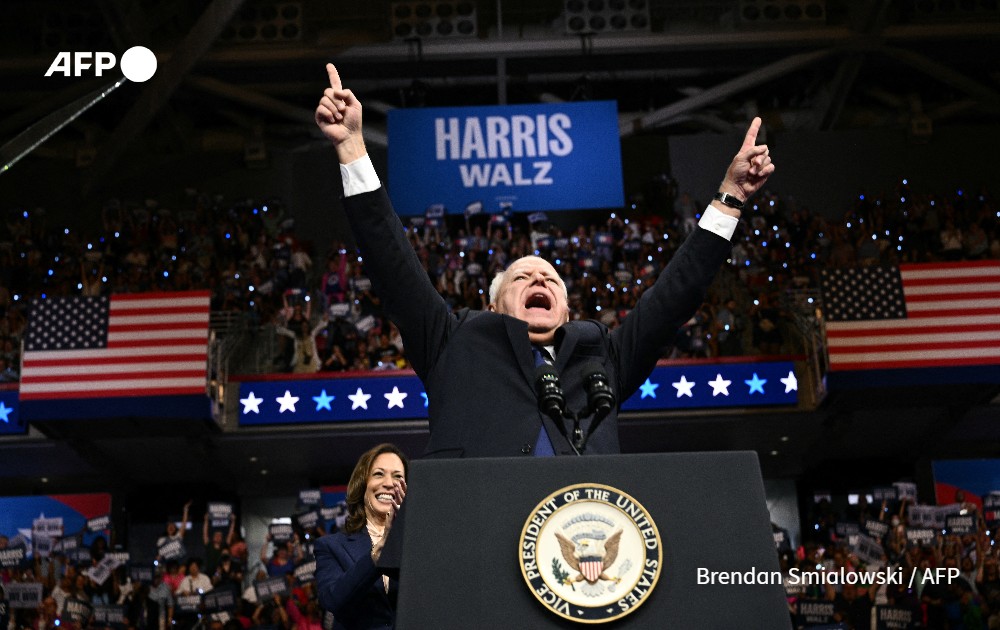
(605, 16)
(434, 19)
(754, 13)
(265, 22)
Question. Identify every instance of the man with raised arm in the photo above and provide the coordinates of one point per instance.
(479, 367)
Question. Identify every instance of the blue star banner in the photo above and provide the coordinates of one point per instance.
(704, 386)
(373, 398)
(11, 422)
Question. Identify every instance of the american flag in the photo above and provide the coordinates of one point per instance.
(149, 344)
(913, 316)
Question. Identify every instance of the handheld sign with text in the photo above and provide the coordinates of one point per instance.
(219, 599)
(280, 533)
(305, 571)
(24, 594)
(811, 612)
(10, 558)
(917, 536)
(99, 524)
(77, 610)
(845, 529)
(868, 550)
(527, 157)
(876, 529)
(189, 603)
(141, 573)
(884, 493)
(105, 615)
(219, 514)
(309, 520)
(172, 550)
(960, 524)
(51, 527)
(310, 498)
(991, 509)
(267, 589)
(895, 618)
(906, 490)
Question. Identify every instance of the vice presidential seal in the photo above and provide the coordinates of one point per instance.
(590, 553)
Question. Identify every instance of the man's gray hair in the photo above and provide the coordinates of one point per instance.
(498, 281)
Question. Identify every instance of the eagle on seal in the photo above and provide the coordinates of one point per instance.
(588, 557)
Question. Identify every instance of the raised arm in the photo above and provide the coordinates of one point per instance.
(680, 288)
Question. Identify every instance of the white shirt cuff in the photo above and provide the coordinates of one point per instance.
(359, 176)
(713, 220)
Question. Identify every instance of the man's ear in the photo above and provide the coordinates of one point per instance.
(491, 307)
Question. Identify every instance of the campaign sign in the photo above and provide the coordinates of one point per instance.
(23, 594)
(280, 533)
(308, 520)
(219, 514)
(895, 618)
(876, 529)
(11, 557)
(559, 156)
(105, 615)
(189, 603)
(845, 529)
(868, 550)
(79, 556)
(267, 589)
(811, 612)
(171, 550)
(960, 524)
(77, 610)
(51, 527)
(99, 524)
(310, 498)
(67, 545)
(917, 536)
(218, 600)
(991, 508)
(305, 571)
(43, 546)
(141, 573)
(906, 490)
(884, 493)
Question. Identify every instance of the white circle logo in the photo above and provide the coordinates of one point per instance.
(590, 553)
(138, 64)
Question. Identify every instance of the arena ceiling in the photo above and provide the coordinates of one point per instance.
(238, 75)
(241, 75)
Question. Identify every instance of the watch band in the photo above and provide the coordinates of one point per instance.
(729, 200)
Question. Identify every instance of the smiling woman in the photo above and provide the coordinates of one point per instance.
(348, 583)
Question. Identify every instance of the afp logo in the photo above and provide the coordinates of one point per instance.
(138, 64)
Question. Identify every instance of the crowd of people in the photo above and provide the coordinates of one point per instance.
(948, 578)
(281, 592)
(214, 584)
(327, 318)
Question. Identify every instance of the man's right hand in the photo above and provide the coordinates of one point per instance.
(338, 116)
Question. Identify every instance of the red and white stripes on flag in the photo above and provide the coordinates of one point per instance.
(919, 316)
(149, 344)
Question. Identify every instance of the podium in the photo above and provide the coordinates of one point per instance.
(466, 540)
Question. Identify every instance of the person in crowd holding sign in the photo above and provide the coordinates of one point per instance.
(195, 581)
(349, 584)
(215, 543)
(173, 533)
(480, 366)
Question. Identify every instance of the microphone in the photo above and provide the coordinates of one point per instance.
(600, 396)
(551, 399)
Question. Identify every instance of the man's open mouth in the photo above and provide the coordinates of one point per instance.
(538, 300)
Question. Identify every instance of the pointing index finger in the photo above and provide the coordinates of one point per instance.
(331, 71)
(751, 137)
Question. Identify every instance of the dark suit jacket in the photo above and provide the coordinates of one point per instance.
(477, 366)
(349, 585)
